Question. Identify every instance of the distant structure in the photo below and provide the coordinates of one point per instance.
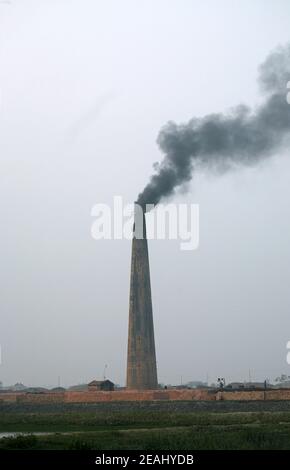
(249, 385)
(103, 385)
(18, 387)
(141, 358)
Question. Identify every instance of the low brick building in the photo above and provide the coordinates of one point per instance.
(101, 385)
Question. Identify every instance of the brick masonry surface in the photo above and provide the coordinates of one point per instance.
(147, 395)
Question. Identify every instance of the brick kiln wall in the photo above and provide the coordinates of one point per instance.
(147, 395)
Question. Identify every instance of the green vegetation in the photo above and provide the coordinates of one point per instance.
(157, 426)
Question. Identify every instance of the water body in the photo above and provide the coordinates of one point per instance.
(15, 434)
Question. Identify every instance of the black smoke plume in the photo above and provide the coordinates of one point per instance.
(222, 141)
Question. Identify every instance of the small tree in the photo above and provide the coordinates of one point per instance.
(282, 378)
(221, 382)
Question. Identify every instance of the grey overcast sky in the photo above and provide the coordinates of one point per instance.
(85, 88)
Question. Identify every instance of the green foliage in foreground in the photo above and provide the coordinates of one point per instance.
(98, 421)
(180, 427)
(192, 438)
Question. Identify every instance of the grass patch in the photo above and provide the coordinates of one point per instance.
(145, 428)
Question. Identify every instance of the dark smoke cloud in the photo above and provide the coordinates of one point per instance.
(222, 141)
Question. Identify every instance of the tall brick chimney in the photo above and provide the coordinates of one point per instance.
(141, 360)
